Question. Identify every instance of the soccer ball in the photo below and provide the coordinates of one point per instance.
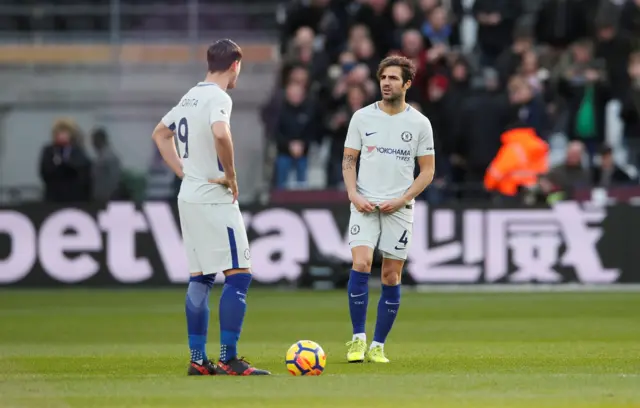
(305, 357)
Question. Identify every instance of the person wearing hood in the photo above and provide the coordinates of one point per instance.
(523, 157)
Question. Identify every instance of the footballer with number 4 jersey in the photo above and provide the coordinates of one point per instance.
(387, 136)
(213, 230)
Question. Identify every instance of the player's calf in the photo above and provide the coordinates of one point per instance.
(358, 294)
(388, 307)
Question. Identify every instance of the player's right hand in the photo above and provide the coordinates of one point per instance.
(231, 184)
(361, 203)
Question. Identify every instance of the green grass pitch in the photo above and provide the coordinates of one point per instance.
(126, 348)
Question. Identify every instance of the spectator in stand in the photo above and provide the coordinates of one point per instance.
(496, 21)
(301, 14)
(584, 86)
(527, 106)
(376, 16)
(564, 178)
(560, 23)
(65, 168)
(608, 173)
(107, 170)
(630, 113)
(458, 92)
(437, 29)
(613, 47)
(404, 18)
(511, 58)
(303, 51)
(484, 116)
(294, 132)
(366, 54)
(536, 76)
(338, 125)
(295, 73)
(413, 48)
(630, 20)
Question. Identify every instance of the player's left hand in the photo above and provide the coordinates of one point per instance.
(230, 184)
(391, 206)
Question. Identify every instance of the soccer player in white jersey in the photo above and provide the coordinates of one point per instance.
(213, 230)
(387, 136)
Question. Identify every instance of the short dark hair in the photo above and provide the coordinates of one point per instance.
(405, 64)
(100, 136)
(222, 54)
(605, 150)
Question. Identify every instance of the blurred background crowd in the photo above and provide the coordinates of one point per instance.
(527, 98)
(569, 69)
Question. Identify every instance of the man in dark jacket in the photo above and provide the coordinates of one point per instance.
(295, 130)
(561, 22)
(496, 21)
(106, 168)
(630, 113)
(613, 47)
(65, 168)
(607, 173)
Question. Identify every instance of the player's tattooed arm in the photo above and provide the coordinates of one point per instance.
(348, 162)
(349, 159)
(163, 137)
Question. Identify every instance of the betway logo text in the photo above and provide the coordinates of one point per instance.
(526, 245)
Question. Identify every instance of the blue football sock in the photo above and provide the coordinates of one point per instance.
(358, 292)
(387, 311)
(197, 311)
(233, 306)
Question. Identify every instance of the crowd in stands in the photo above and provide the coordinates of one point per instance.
(553, 66)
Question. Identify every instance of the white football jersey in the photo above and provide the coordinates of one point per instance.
(388, 147)
(191, 119)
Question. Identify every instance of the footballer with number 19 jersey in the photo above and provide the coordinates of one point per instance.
(213, 231)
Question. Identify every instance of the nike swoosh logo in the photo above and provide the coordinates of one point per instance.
(400, 249)
(389, 303)
(362, 294)
(369, 134)
(240, 293)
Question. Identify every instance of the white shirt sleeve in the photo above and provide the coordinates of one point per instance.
(169, 119)
(220, 110)
(353, 139)
(425, 141)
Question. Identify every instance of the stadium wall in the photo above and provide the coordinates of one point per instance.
(128, 103)
(127, 245)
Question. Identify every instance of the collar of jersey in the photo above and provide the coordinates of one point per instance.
(378, 108)
(207, 84)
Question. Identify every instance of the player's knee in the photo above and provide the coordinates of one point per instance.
(230, 272)
(362, 265)
(391, 276)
